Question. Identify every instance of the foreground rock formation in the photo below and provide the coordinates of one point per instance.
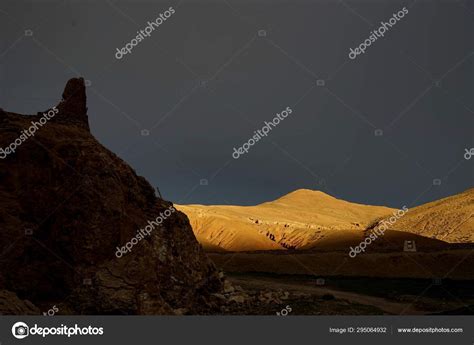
(66, 204)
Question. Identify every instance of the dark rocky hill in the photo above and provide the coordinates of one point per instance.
(67, 203)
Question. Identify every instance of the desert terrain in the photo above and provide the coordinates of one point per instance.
(300, 243)
(298, 220)
(286, 256)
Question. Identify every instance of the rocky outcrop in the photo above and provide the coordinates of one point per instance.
(67, 203)
(10, 304)
(73, 104)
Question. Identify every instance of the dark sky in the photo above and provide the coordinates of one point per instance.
(204, 81)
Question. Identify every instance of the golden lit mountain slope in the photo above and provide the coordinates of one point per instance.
(296, 220)
(450, 219)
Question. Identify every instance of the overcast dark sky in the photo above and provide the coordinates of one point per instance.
(204, 81)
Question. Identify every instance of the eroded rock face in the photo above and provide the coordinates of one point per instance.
(67, 203)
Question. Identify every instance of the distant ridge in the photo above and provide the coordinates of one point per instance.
(294, 221)
(449, 219)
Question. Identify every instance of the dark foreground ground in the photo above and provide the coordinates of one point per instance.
(307, 295)
(330, 283)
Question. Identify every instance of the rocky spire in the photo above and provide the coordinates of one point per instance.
(72, 108)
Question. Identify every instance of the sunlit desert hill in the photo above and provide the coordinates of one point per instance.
(297, 220)
(449, 219)
(323, 229)
(307, 219)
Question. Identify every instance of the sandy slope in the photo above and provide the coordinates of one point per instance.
(297, 220)
(450, 219)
